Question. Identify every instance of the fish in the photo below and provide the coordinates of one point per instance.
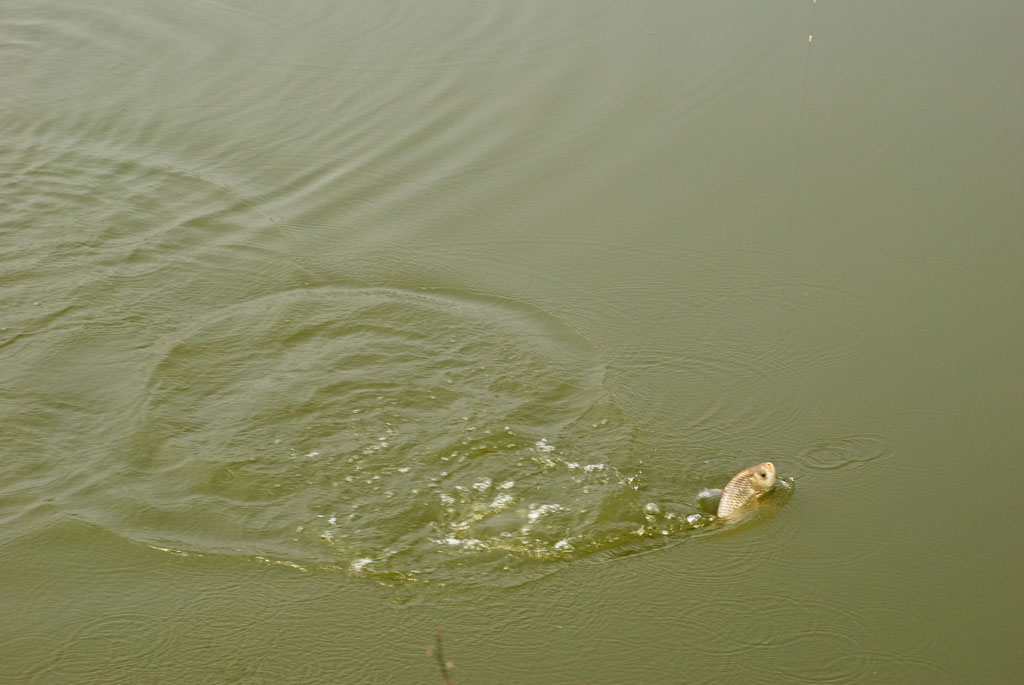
(745, 487)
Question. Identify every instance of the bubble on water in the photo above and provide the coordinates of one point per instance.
(652, 508)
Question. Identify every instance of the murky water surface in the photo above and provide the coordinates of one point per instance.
(327, 325)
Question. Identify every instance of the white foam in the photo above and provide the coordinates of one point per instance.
(358, 565)
(539, 510)
(502, 501)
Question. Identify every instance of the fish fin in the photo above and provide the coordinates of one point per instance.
(708, 500)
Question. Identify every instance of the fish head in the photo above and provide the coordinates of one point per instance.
(762, 476)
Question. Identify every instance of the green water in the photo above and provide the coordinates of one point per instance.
(326, 325)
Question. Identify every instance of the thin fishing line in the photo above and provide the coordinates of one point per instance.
(797, 158)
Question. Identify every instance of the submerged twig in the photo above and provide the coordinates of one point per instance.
(446, 667)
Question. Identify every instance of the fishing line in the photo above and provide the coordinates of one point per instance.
(799, 144)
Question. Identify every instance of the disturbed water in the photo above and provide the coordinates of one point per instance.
(414, 435)
(327, 326)
(413, 443)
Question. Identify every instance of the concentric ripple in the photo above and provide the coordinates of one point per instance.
(398, 434)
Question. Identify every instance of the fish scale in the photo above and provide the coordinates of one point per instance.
(745, 486)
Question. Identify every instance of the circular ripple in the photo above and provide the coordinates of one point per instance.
(843, 452)
(399, 434)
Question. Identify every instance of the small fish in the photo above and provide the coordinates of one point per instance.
(746, 486)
